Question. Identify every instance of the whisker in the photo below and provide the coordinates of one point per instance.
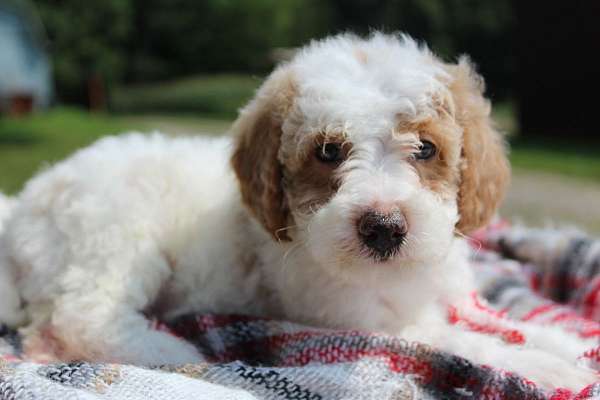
(287, 254)
(470, 240)
(290, 250)
(283, 230)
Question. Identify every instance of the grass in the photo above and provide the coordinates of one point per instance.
(28, 144)
(547, 154)
(218, 96)
(559, 157)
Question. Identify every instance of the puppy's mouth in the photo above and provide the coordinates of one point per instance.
(380, 256)
(381, 235)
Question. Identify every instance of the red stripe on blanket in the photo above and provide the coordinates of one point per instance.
(9, 358)
(512, 336)
(396, 362)
(477, 303)
(590, 333)
(565, 316)
(562, 394)
(591, 300)
(539, 310)
(593, 354)
(590, 392)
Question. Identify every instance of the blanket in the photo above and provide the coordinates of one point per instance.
(544, 276)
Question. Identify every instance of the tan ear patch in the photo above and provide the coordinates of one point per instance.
(255, 159)
(485, 171)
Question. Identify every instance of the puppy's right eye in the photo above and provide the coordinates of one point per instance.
(329, 152)
(426, 150)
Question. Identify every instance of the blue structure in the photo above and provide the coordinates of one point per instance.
(25, 73)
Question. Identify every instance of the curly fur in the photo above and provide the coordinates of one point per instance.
(485, 171)
(138, 225)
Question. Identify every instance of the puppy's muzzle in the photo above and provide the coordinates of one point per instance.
(382, 233)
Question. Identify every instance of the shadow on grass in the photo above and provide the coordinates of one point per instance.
(17, 136)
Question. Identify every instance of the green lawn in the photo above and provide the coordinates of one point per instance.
(28, 144)
(572, 160)
(547, 154)
(200, 104)
(215, 96)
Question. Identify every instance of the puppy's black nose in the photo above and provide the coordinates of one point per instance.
(382, 233)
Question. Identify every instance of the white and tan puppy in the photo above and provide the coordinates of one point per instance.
(342, 203)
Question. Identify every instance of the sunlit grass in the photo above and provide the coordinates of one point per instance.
(558, 156)
(28, 144)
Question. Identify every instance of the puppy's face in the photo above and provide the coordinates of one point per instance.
(370, 153)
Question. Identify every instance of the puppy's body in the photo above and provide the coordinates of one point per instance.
(360, 237)
(170, 209)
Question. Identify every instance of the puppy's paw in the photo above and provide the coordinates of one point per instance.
(12, 319)
(574, 379)
(162, 349)
(556, 373)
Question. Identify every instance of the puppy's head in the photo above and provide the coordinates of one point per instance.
(370, 152)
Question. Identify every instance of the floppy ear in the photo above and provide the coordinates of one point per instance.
(485, 171)
(255, 158)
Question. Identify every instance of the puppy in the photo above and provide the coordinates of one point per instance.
(354, 175)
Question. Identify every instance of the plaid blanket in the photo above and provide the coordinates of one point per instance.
(550, 277)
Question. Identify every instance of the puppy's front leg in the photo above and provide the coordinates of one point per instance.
(99, 317)
(549, 338)
(116, 333)
(544, 369)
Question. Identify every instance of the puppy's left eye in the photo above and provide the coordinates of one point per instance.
(426, 150)
(330, 152)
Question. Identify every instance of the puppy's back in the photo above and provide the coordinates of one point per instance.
(134, 185)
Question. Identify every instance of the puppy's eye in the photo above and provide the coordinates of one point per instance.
(426, 150)
(330, 152)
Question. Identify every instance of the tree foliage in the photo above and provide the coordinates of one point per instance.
(145, 40)
(174, 37)
(86, 40)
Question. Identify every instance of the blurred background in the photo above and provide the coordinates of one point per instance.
(72, 71)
